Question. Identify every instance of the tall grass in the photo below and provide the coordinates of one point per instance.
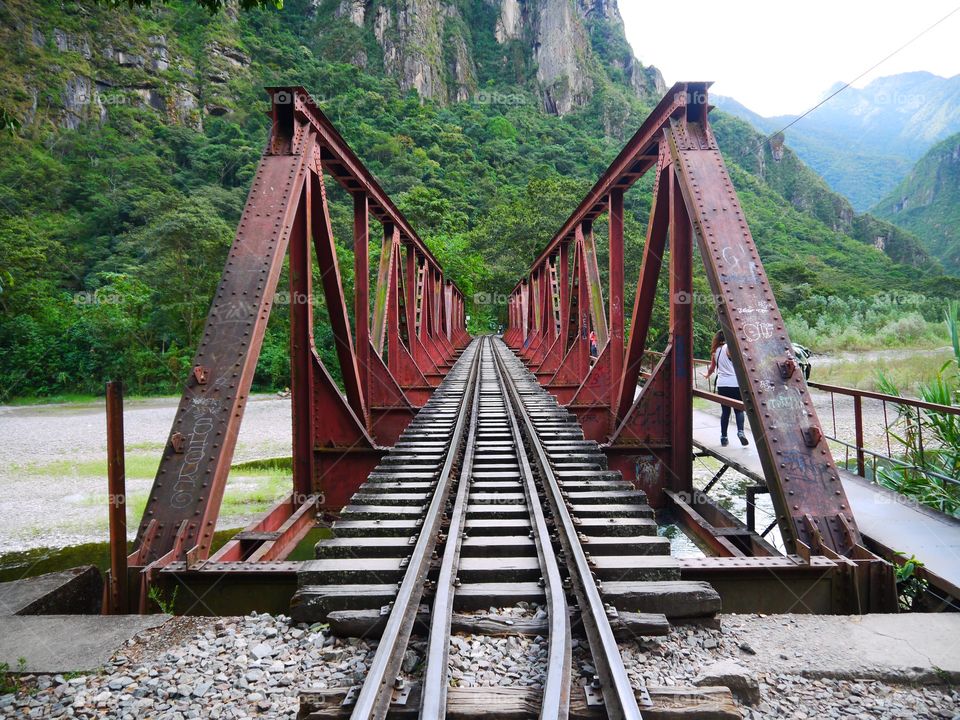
(931, 438)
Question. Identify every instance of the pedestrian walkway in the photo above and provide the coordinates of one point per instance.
(890, 521)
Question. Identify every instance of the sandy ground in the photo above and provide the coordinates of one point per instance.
(53, 494)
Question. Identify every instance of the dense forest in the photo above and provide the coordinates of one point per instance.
(116, 215)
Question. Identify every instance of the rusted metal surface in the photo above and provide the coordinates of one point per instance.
(337, 437)
(117, 489)
(649, 436)
(797, 461)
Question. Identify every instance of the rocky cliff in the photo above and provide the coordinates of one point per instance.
(70, 64)
(927, 202)
(447, 49)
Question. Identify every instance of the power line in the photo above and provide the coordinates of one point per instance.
(851, 82)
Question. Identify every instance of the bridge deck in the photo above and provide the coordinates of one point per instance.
(889, 521)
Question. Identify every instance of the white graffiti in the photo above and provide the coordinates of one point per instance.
(760, 308)
(789, 400)
(730, 256)
(200, 406)
(647, 469)
(758, 331)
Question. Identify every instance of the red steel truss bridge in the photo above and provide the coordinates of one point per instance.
(457, 474)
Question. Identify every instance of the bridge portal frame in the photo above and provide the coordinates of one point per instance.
(648, 433)
(390, 359)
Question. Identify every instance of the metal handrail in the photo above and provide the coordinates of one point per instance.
(901, 463)
(896, 399)
(858, 446)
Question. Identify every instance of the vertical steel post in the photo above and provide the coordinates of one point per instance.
(592, 275)
(393, 307)
(583, 307)
(301, 344)
(858, 429)
(410, 301)
(361, 286)
(615, 353)
(524, 312)
(379, 332)
(116, 482)
(681, 339)
(564, 295)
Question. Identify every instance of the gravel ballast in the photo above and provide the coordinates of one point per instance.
(255, 667)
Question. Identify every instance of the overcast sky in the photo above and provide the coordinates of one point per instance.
(777, 57)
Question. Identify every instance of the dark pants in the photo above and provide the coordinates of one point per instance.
(734, 393)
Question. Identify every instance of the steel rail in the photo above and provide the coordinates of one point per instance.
(373, 700)
(556, 686)
(433, 700)
(619, 699)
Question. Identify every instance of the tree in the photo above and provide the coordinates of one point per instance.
(180, 254)
(210, 6)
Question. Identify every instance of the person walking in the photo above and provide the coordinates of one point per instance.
(593, 344)
(727, 386)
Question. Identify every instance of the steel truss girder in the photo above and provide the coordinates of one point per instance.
(649, 436)
(337, 437)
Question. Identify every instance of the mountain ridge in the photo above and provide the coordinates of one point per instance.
(927, 202)
(865, 140)
(140, 131)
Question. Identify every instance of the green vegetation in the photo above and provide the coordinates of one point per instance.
(880, 321)
(137, 465)
(905, 368)
(113, 235)
(931, 438)
(9, 682)
(910, 587)
(211, 6)
(927, 202)
(165, 604)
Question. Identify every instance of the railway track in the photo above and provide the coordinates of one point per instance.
(492, 504)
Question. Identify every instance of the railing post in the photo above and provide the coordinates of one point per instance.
(858, 428)
(116, 482)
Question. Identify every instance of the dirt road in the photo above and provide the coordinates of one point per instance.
(53, 467)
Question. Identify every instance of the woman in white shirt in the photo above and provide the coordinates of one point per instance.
(727, 386)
